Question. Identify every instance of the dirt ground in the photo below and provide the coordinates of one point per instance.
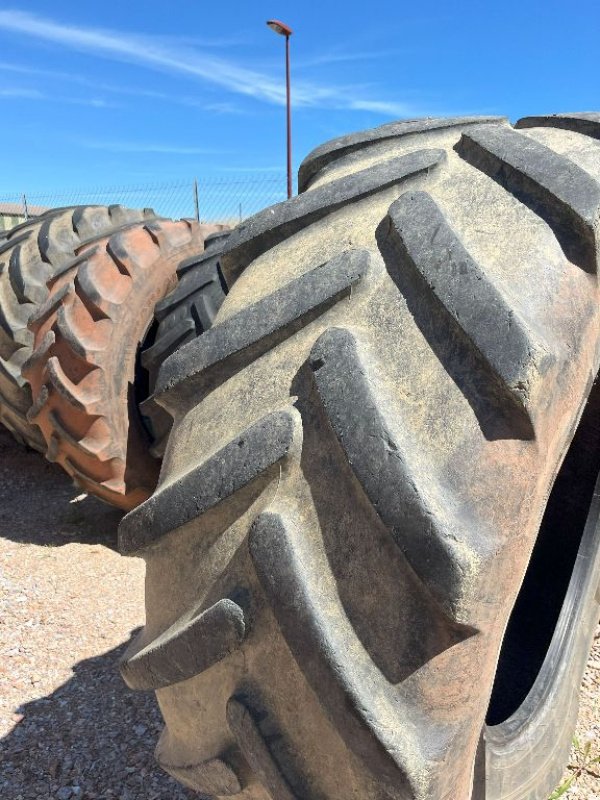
(69, 604)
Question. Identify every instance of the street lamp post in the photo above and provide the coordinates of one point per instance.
(284, 30)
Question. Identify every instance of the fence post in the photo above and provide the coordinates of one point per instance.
(240, 212)
(196, 204)
(25, 211)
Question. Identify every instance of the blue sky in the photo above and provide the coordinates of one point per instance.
(109, 93)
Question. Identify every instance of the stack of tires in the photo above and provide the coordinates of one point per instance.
(373, 553)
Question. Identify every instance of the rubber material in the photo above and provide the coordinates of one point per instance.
(87, 334)
(30, 254)
(363, 452)
(184, 314)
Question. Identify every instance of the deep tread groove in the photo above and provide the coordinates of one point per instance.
(70, 392)
(256, 750)
(555, 188)
(64, 435)
(173, 339)
(339, 670)
(51, 306)
(71, 265)
(40, 353)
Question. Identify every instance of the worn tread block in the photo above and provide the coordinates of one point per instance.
(554, 187)
(507, 348)
(27, 289)
(187, 648)
(335, 149)
(383, 469)
(15, 238)
(268, 228)
(212, 481)
(182, 373)
(587, 124)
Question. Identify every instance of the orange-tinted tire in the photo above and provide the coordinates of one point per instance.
(30, 254)
(82, 369)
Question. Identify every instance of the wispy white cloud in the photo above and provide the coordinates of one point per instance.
(341, 57)
(26, 93)
(149, 147)
(222, 108)
(382, 107)
(17, 92)
(110, 88)
(167, 55)
(149, 50)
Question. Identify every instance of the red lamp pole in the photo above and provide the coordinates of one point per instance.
(284, 30)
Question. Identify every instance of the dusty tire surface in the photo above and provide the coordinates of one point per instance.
(82, 370)
(395, 406)
(30, 254)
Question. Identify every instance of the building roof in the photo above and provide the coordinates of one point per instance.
(17, 210)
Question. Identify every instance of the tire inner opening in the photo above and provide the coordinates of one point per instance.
(536, 611)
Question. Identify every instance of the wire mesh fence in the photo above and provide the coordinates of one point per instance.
(215, 199)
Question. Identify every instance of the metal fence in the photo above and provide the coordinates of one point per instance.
(215, 199)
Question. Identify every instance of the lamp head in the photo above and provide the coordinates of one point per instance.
(279, 27)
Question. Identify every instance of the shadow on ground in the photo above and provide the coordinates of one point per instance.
(92, 738)
(39, 503)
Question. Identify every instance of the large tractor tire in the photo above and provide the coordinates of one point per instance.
(184, 314)
(30, 254)
(83, 368)
(395, 407)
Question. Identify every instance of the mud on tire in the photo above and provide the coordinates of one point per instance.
(30, 254)
(87, 334)
(367, 445)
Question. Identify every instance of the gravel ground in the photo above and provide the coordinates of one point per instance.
(69, 604)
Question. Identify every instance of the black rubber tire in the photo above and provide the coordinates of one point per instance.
(392, 408)
(30, 254)
(184, 314)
